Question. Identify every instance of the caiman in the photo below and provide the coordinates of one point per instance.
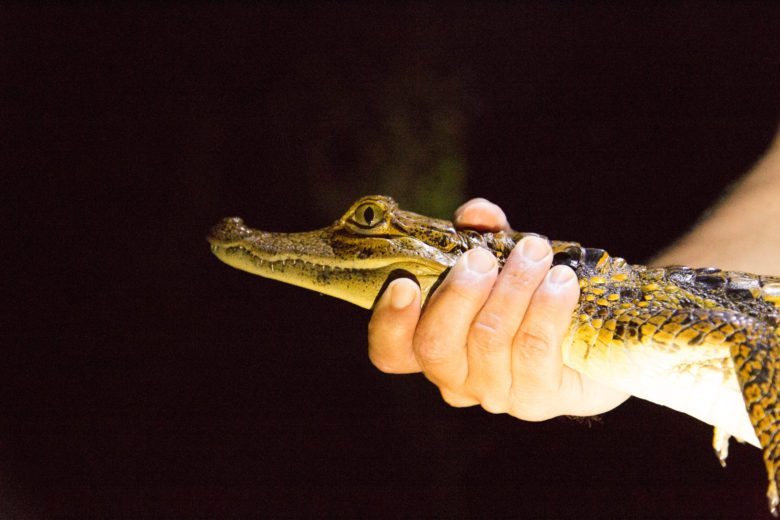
(705, 342)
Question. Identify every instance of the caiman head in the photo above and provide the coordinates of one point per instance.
(354, 258)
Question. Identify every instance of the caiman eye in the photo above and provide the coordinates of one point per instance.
(368, 215)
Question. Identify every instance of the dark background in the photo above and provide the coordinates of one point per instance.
(141, 378)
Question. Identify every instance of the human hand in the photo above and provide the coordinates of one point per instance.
(488, 338)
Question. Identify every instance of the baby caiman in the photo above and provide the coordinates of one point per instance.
(705, 342)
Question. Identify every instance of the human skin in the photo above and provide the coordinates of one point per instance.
(494, 339)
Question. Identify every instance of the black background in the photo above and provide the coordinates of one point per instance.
(144, 379)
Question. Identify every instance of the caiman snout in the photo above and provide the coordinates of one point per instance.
(230, 229)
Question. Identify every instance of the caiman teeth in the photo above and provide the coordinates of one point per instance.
(273, 264)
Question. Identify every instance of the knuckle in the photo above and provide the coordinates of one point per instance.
(488, 334)
(494, 406)
(456, 400)
(433, 352)
(535, 340)
(531, 412)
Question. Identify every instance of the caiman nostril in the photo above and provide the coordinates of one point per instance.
(229, 229)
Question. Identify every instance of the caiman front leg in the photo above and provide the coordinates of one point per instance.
(757, 363)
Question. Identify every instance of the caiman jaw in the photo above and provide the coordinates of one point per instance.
(331, 261)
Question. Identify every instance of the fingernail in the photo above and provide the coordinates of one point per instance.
(534, 248)
(560, 276)
(475, 210)
(470, 204)
(401, 295)
(480, 261)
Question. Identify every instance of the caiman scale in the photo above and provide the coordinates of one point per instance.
(705, 342)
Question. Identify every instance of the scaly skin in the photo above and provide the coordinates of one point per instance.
(701, 341)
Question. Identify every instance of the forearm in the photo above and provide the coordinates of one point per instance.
(742, 232)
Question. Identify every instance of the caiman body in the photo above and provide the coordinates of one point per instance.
(701, 341)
